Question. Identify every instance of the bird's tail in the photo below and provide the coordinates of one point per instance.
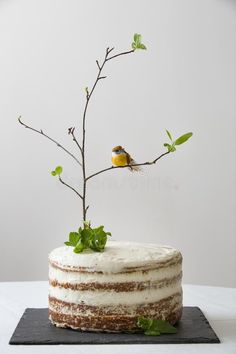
(134, 168)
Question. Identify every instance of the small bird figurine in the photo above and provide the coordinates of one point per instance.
(122, 158)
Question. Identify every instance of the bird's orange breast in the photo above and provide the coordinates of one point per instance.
(119, 160)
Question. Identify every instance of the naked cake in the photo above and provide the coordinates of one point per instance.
(108, 291)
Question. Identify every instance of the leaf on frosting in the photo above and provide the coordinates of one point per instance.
(74, 238)
(153, 327)
(88, 238)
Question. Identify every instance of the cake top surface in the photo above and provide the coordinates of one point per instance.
(117, 257)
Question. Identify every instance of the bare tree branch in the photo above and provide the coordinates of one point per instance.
(71, 130)
(51, 139)
(88, 97)
(67, 185)
(130, 166)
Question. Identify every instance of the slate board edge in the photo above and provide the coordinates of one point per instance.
(202, 340)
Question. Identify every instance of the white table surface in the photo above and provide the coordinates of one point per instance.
(218, 305)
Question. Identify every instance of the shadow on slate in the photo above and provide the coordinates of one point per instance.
(35, 328)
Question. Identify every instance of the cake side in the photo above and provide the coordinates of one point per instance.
(93, 293)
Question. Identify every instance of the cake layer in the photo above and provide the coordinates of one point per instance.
(116, 286)
(117, 257)
(165, 271)
(108, 291)
(104, 297)
(112, 318)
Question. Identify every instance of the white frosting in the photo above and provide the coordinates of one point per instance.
(100, 298)
(80, 277)
(116, 257)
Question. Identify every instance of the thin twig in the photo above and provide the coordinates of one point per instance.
(51, 139)
(101, 77)
(98, 65)
(77, 143)
(109, 50)
(71, 131)
(133, 165)
(67, 185)
(117, 55)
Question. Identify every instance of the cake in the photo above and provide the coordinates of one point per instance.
(107, 291)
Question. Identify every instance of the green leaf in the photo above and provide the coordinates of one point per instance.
(153, 327)
(183, 138)
(86, 235)
(137, 43)
(58, 170)
(164, 326)
(137, 38)
(144, 322)
(99, 242)
(141, 46)
(79, 247)
(88, 238)
(74, 238)
(169, 135)
(169, 147)
(99, 239)
(98, 229)
(151, 332)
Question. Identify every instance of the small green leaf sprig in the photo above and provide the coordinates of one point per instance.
(182, 139)
(88, 238)
(153, 327)
(137, 43)
(57, 172)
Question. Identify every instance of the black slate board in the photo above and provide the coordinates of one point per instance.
(35, 328)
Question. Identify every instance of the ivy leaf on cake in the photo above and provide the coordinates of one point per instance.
(153, 327)
(88, 238)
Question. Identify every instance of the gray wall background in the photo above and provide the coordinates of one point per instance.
(186, 81)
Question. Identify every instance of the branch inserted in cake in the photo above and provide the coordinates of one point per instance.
(171, 146)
